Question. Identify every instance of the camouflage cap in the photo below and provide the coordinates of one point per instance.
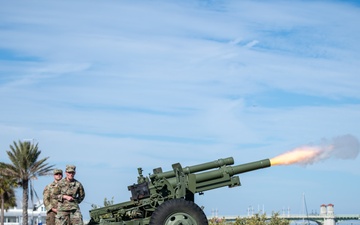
(70, 168)
(56, 171)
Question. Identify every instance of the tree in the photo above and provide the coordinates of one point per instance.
(257, 219)
(276, 220)
(241, 221)
(25, 166)
(7, 195)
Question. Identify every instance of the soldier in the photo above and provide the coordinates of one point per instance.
(72, 193)
(50, 193)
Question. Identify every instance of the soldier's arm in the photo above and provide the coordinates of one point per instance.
(81, 192)
(59, 194)
(46, 199)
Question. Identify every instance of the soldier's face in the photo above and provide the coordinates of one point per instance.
(70, 175)
(58, 176)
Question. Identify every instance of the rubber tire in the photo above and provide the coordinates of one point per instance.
(178, 211)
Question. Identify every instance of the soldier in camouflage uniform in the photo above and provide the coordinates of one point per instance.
(72, 193)
(50, 193)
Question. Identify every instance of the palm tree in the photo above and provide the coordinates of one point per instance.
(7, 195)
(25, 166)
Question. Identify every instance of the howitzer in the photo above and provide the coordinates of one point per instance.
(167, 198)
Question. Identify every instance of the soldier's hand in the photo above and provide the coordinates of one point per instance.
(68, 197)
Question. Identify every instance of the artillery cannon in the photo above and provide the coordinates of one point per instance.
(167, 198)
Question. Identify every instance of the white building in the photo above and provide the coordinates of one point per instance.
(35, 217)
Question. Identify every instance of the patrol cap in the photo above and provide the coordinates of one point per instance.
(70, 168)
(56, 171)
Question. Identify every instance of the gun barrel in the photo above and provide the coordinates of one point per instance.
(197, 168)
(232, 170)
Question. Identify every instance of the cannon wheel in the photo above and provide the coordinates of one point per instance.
(178, 211)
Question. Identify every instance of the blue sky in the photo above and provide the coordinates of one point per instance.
(111, 86)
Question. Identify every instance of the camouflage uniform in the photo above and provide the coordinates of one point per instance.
(69, 211)
(50, 193)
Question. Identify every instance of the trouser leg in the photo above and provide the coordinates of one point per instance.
(76, 218)
(50, 218)
(63, 218)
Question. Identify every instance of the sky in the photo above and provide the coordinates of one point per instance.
(111, 86)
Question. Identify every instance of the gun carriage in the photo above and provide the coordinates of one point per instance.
(168, 198)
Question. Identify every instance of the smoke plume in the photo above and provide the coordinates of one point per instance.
(341, 147)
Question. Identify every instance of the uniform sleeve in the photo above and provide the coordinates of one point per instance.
(81, 193)
(46, 198)
(60, 193)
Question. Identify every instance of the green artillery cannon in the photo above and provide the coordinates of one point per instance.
(167, 198)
